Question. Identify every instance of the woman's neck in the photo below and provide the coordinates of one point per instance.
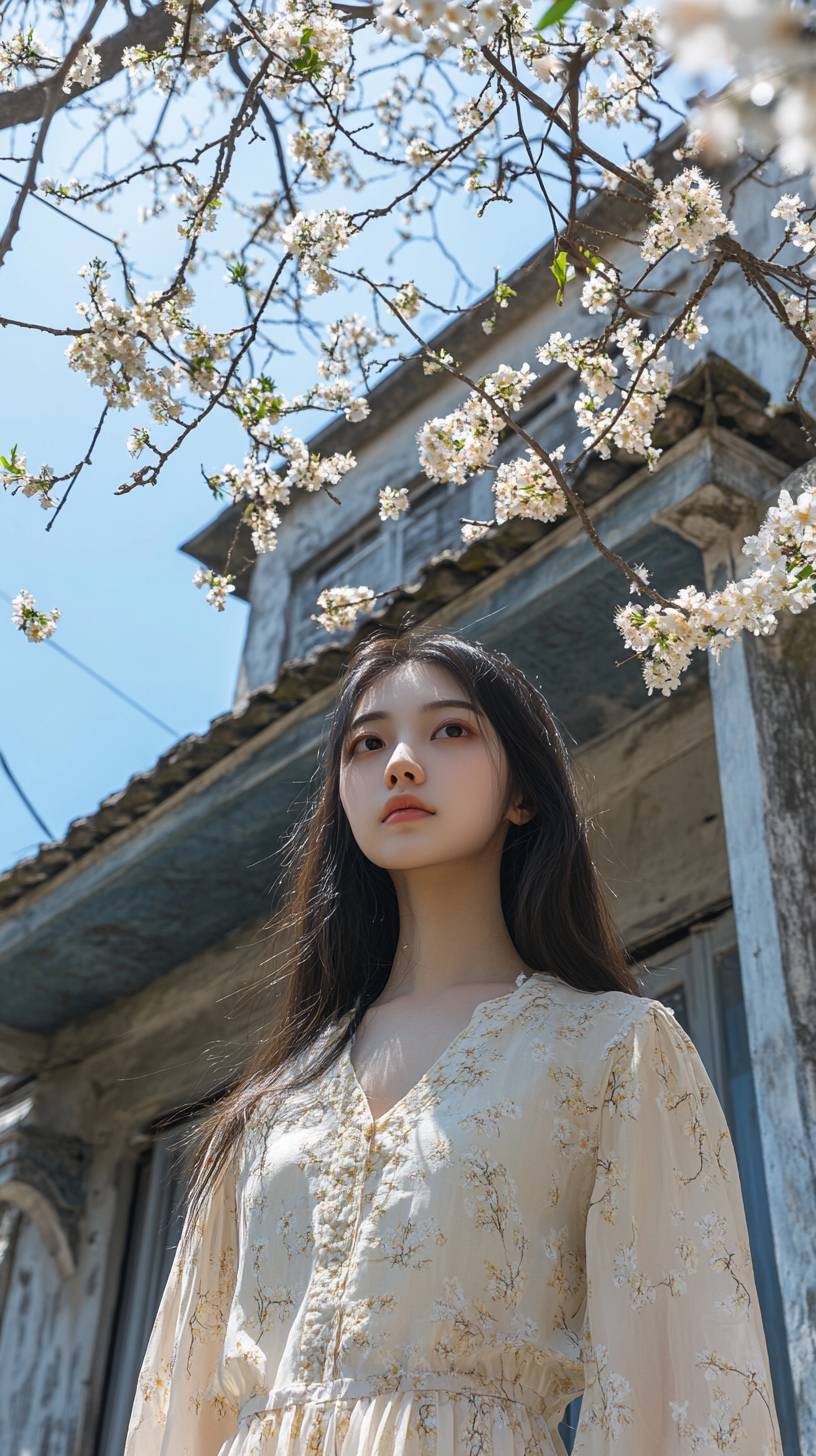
(452, 931)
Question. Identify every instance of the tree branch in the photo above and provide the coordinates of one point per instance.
(151, 30)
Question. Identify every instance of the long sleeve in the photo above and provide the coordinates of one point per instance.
(180, 1408)
(673, 1347)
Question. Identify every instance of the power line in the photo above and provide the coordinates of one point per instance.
(19, 789)
(140, 708)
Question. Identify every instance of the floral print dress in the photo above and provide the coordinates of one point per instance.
(553, 1209)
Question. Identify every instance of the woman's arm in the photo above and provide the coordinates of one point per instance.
(180, 1408)
(673, 1346)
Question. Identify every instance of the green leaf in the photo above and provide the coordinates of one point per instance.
(559, 272)
(10, 465)
(554, 13)
(592, 259)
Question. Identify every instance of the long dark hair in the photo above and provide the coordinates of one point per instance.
(338, 911)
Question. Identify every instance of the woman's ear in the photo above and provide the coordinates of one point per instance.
(520, 814)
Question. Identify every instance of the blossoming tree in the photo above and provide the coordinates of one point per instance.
(476, 100)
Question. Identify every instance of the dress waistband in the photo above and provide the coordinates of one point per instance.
(349, 1388)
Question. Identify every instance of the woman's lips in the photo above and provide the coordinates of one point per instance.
(406, 814)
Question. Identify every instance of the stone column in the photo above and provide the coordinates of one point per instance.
(763, 692)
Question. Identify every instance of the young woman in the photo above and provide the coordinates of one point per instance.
(475, 1172)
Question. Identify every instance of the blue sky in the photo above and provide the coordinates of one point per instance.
(112, 564)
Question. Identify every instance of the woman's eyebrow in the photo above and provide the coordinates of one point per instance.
(377, 716)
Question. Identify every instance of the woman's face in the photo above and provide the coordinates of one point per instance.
(420, 737)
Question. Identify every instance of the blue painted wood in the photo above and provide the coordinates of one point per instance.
(743, 1120)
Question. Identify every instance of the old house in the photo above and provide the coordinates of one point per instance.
(135, 954)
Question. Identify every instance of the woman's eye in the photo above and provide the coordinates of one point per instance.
(367, 738)
(374, 737)
(460, 726)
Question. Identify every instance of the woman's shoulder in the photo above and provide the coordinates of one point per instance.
(603, 1020)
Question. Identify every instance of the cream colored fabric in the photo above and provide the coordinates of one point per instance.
(553, 1208)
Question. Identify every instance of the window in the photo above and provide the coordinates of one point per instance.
(382, 555)
(390, 554)
(156, 1217)
(699, 978)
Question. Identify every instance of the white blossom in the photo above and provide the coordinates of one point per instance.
(785, 551)
(598, 292)
(308, 470)
(340, 605)
(277, 38)
(20, 50)
(219, 586)
(392, 502)
(800, 230)
(474, 530)
(639, 169)
(314, 238)
(15, 473)
(788, 207)
(36, 625)
(84, 70)
(692, 328)
(527, 487)
(687, 214)
(113, 351)
(313, 147)
(407, 300)
(453, 447)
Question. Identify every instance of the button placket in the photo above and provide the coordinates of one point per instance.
(338, 1198)
(364, 1143)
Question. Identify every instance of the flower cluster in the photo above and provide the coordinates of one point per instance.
(599, 290)
(785, 550)
(113, 350)
(14, 472)
(625, 45)
(340, 604)
(201, 209)
(260, 485)
(22, 50)
(84, 70)
(798, 311)
(687, 213)
(692, 329)
(800, 230)
(439, 24)
(338, 394)
(203, 48)
(219, 586)
(314, 238)
(348, 340)
(455, 446)
(307, 470)
(628, 426)
(639, 169)
(392, 502)
(34, 624)
(299, 41)
(313, 148)
(527, 487)
(475, 530)
(407, 300)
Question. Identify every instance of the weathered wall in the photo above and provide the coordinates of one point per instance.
(658, 839)
(53, 1329)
